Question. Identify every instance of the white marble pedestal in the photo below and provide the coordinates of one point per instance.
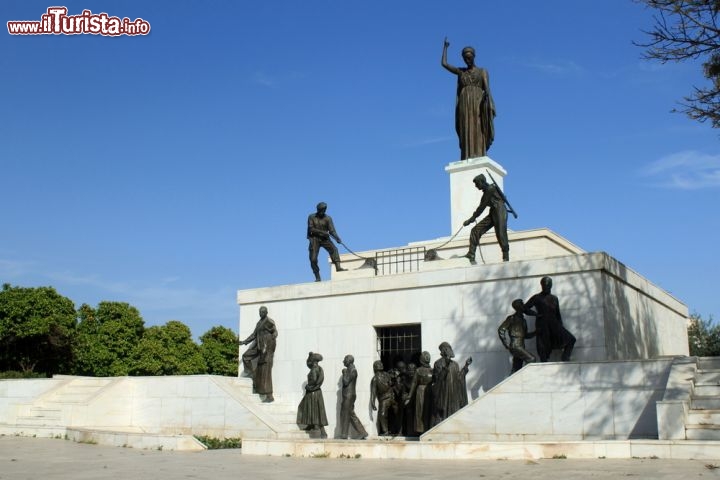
(464, 196)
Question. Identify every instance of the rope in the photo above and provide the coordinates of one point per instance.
(348, 249)
(453, 237)
(436, 248)
(450, 240)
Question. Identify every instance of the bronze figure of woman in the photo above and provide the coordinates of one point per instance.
(311, 411)
(420, 393)
(474, 107)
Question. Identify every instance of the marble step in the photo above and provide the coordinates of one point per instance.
(703, 390)
(286, 418)
(704, 417)
(705, 403)
(702, 432)
(709, 363)
(707, 377)
(296, 434)
(70, 397)
(41, 416)
(43, 412)
(39, 420)
(91, 381)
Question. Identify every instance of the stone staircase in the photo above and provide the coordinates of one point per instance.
(54, 409)
(279, 415)
(73, 408)
(703, 418)
(50, 409)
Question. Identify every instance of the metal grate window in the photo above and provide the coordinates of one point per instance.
(402, 342)
(400, 260)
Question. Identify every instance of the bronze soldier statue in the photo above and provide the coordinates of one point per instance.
(319, 230)
(397, 421)
(381, 389)
(513, 332)
(408, 407)
(493, 198)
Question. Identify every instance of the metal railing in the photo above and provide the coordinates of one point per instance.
(399, 260)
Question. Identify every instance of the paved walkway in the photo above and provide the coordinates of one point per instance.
(43, 458)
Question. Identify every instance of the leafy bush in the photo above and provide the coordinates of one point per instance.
(703, 336)
(16, 374)
(213, 443)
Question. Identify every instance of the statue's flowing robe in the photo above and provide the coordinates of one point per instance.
(474, 113)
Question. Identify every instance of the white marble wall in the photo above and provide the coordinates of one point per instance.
(21, 391)
(462, 305)
(197, 404)
(564, 402)
(632, 307)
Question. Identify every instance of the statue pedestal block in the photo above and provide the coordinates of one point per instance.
(442, 264)
(614, 313)
(352, 272)
(464, 197)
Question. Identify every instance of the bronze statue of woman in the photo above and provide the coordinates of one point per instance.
(474, 107)
(420, 393)
(311, 411)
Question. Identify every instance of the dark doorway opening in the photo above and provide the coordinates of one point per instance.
(399, 342)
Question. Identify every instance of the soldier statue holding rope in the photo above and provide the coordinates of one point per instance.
(319, 230)
(493, 198)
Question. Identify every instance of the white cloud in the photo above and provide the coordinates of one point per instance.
(264, 79)
(559, 67)
(159, 296)
(271, 81)
(685, 170)
(12, 269)
(199, 309)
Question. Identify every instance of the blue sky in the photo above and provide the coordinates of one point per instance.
(171, 170)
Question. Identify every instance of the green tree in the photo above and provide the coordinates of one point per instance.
(167, 350)
(219, 347)
(703, 336)
(36, 329)
(105, 339)
(688, 30)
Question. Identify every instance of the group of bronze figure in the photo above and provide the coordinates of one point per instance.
(550, 333)
(474, 124)
(411, 398)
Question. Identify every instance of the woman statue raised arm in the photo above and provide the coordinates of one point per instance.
(474, 106)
